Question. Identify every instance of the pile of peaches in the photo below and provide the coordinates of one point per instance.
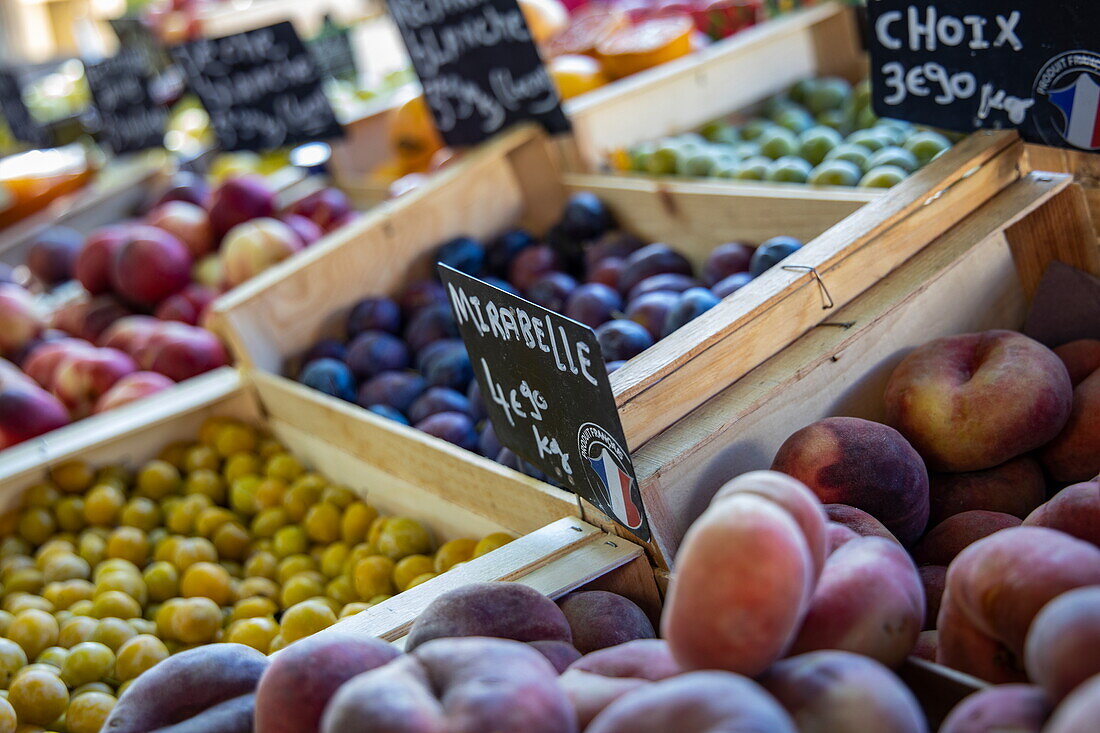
(101, 320)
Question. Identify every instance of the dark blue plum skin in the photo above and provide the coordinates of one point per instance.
(653, 259)
(502, 250)
(389, 413)
(430, 324)
(725, 260)
(496, 282)
(396, 389)
(437, 399)
(585, 217)
(52, 254)
(488, 444)
(453, 427)
(692, 304)
(373, 314)
(593, 304)
(618, 245)
(477, 402)
(771, 252)
(552, 290)
(651, 311)
(374, 352)
(669, 281)
(731, 284)
(325, 349)
(510, 460)
(425, 356)
(329, 376)
(531, 264)
(463, 254)
(450, 368)
(421, 294)
(622, 340)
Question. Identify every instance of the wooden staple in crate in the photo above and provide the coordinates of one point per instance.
(555, 551)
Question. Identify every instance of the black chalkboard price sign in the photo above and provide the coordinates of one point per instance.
(546, 390)
(129, 117)
(965, 65)
(23, 126)
(261, 88)
(478, 66)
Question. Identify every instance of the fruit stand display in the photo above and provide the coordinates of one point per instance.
(213, 500)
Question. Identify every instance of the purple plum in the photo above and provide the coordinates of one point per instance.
(329, 376)
(437, 399)
(422, 294)
(397, 389)
(651, 311)
(771, 252)
(552, 290)
(453, 427)
(669, 281)
(502, 250)
(622, 340)
(325, 349)
(389, 413)
(431, 323)
(653, 259)
(731, 284)
(463, 254)
(725, 260)
(374, 352)
(692, 304)
(374, 314)
(531, 264)
(593, 304)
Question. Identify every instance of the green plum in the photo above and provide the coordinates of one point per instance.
(746, 150)
(777, 142)
(775, 106)
(801, 90)
(852, 153)
(795, 119)
(815, 143)
(884, 176)
(829, 93)
(664, 160)
(639, 155)
(719, 131)
(861, 93)
(866, 118)
(788, 169)
(895, 156)
(703, 162)
(754, 128)
(752, 169)
(835, 173)
(872, 139)
(837, 119)
(897, 130)
(926, 145)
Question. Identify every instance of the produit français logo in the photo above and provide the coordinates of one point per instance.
(607, 459)
(1070, 82)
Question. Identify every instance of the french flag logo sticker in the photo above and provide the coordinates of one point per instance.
(616, 483)
(1080, 105)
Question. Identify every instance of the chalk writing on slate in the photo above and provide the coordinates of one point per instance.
(130, 119)
(971, 64)
(478, 66)
(23, 126)
(545, 388)
(262, 88)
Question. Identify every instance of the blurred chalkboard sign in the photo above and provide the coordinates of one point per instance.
(128, 114)
(134, 35)
(334, 52)
(545, 387)
(971, 64)
(478, 66)
(261, 88)
(23, 126)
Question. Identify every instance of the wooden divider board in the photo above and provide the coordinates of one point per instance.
(729, 75)
(967, 280)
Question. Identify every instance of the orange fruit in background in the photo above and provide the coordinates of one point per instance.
(574, 75)
(645, 45)
(545, 18)
(587, 28)
(413, 135)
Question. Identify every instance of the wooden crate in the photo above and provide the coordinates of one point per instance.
(556, 552)
(979, 275)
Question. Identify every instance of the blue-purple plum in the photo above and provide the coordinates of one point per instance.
(431, 323)
(614, 366)
(488, 444)
(771, 252)
(731, 284)
(510, 460)
(421, 294)
(453, 427)
(607, 271)
(450, 368)
(7, 275)
(477, 402)
(397, 389)
(651, 311)
(425, 356)
(622, 340)
(615, 244)
(52, 254)
(437, 399)
(593, 304)
(692, 304)
(585, 217)
(552, 290)
(653, 259)
(725, 260)
(185, 186)
(389, 413)
(329, 376)
(670, 282)
(373, 314)
(502, 250)
(325, 349)
(374, 352)
(531, 264)
(496, 282)
(463, 254)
